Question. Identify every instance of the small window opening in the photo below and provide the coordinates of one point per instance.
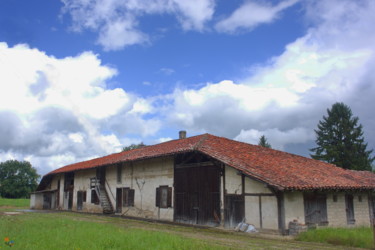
(128, 197)
(119, 173)
(334, 198)
(94, 197)
(163, 197)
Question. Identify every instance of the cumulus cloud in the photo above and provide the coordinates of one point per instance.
(285, 97)
(55, 111)
(117, 21)
(252, 14)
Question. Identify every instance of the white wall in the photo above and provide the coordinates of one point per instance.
(144, 177)
(294, 207)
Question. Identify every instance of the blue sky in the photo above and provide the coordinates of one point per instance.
(80, 79)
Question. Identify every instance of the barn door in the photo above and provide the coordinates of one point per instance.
(79, 200)
(349, 209)
(234, 210)
(315, 209)
(197, 195)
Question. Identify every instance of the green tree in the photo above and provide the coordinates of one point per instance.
(340, 140)
(133, 146)
(17, 179)
(263, 142)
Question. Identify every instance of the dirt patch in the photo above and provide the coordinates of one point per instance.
(12, 213)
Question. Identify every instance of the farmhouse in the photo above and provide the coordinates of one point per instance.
(215, 181)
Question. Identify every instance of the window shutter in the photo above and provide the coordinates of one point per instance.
(169, 200)
(131, 197)
(157, 200)
(125, 197)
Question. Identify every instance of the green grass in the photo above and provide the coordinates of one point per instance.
(14, 202)
(352, 237)
(56, 231)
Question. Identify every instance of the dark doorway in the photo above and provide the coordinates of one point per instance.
(234, 210)
(349, 209)
(197, 194)
(315, 209)
(100, 174)
(79, 200)
(58, 194)
(47, 201)
(70, 199)
(372, 207)
(118, 200)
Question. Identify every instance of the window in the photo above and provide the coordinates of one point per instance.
(334, 198)
(128, 197)
(119, 173)
(163, 197)
(94, 197)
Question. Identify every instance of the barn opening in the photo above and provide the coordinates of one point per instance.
(197, 190)
(315, 209)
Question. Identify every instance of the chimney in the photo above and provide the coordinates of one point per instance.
(182, 134)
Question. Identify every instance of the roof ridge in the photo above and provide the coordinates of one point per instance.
(199, 143)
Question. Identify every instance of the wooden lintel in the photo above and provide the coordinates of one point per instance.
(198, 164)
(259, 194)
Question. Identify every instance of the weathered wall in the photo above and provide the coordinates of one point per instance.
(269, 212)
(294, 207)
(144, 177)
(233, 181)
(36, 201)
(336, 211)
(253, 186)
(82, 183)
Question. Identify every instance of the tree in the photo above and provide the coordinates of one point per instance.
(17, 179)
(133, 146)
(340, 140)
(263, 142)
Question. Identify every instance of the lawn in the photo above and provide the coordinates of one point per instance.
(352, 237)
(70, 230)
(14, 202)
(56, 231)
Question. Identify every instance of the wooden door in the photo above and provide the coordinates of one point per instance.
(79, 200)
(315, 209)
(197, 195)
(349, 209)
(119, 200)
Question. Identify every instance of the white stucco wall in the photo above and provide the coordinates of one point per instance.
(256, 201)
(233, 181)
(253, 186)
(294, 207)
(336, 211)
(144, 177)
(82, 183)
(269, 212)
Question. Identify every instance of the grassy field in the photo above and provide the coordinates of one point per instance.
(69, 230)
(14, 202)
(353, 237)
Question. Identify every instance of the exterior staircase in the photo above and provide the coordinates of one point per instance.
(104, 201)
(103, 196)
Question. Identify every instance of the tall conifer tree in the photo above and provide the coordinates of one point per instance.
(340, 140)
(263, 142)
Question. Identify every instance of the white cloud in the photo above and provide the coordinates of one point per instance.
(286, 97)
(57, 111)
(252, 14)
(117, 21)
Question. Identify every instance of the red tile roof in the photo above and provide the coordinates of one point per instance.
(276, 168)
